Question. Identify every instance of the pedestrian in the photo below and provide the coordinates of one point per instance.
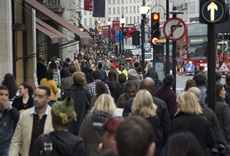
(135, 137)
(189, 83)
(166, 94)
(189, 119)
(56, 72)
(8, 117)
(68, 81)
(200, 79)
(49, 82)
(82, 99)
(41, 70)
(32, 123)
(144, 106)
(96, 74)
(104, 108)
(100, 89)
(10, 82)
(62, 141)
(183, 144)
(25, 99)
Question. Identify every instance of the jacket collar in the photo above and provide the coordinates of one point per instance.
(33, 112)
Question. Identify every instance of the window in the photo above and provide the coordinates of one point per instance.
(126, 20)
(118, 10)
(122, 1)
(118, 1)
(138, 9)
(130, 9)
(114, 11)
(126, 9)
(134, 9)
(130, 20)
(138, 19)
(84, 12)
(109, 1)
(134, 19)
(109, 10)
(114, 2)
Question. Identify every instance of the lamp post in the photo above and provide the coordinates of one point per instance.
(122, 30)
(109, 33)
(143, 10)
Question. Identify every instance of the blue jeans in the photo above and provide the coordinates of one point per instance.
(5, 152)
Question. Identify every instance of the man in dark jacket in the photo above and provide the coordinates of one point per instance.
(166, 94)
(60, 142)
(41, 70)
(8, 117)
(162, 110)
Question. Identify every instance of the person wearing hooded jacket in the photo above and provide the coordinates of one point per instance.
(62, 141)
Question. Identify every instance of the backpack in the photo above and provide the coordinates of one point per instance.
(47, 146)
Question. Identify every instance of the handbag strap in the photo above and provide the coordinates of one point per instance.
(47, 145)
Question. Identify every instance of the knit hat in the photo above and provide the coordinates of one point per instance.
(63, 111)
(110, 125)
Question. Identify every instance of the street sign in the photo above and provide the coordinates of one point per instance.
(213, 11)
(189, 67)
(117, 36)
(174, 29)
(223, 68)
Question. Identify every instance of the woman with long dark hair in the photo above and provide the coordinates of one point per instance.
(114, 85)
(222, 111)
(56, 72)
(25, 99)
(10, 82)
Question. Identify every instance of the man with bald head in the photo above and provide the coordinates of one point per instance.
(162, 109)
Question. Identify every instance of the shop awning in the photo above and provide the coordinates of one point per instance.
(55, 35)
(85, 38)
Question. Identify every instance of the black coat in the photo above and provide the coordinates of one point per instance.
(223, 115)
(82, 100)
(162, 113)
(18, 103)
(64, 144)
(198, 125)
(114, 89)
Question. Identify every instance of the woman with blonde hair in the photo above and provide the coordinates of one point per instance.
(189, 119)
(144, 106)
(104, 108)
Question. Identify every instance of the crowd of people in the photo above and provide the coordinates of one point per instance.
(73, 111)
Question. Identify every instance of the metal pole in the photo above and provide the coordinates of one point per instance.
(120, 43)
(174, 63)
(122, 39)
(211, 66)
(143, 40)
(167, 42)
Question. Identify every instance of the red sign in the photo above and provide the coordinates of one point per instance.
(88, 5)
(116, 25)
(105, 31)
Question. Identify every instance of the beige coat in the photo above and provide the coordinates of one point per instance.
(20, 142)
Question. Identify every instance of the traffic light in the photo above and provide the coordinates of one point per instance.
(155, 24)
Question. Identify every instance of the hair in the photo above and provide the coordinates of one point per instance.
(168, 80)
(112, 68)
(134, 136)
(100, 65)
(79, 79)
(227, 78)
(9, 81)
(132, 72)
(49, 75)
(188, 102)
(143, 104)
(46, 89)
(189, 83)
(218, 76)
(121, 78)
(131, 84)
(65, 64)
(183, 144)
(112, 76)
(200, 79)
(53, 64)
(136, 64)
(72, 69)
(196, 91)
(101, 88)
(4, 88)
(27, 86)
(77, 65)
(105, 102)
(153, 74)
(219, 88)
(96, 74)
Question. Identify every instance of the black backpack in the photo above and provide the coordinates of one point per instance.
(47, 146)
